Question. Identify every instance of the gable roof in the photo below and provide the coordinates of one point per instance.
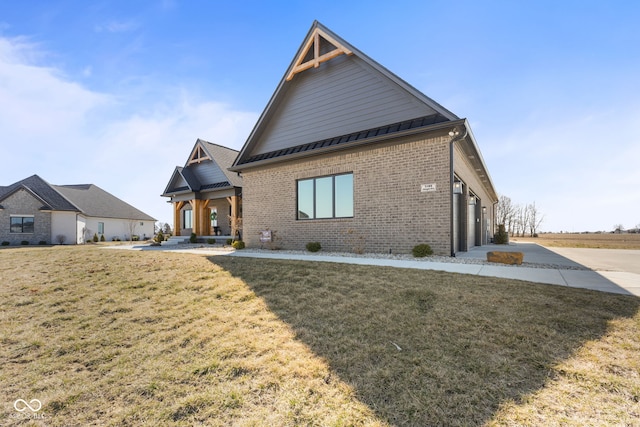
(335, 91)
(87, 199)
(205, 169)
(42, 190)
(93, 201)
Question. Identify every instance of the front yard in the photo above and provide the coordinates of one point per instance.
(110, 337)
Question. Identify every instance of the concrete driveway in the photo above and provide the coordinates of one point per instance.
(610, 270)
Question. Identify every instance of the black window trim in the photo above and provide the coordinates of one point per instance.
(333, 196)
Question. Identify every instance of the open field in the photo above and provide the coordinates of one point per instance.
(109, 337)
(591, 240)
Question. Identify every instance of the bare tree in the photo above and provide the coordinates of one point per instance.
(131, 226)
(535, 219)
(505, 212)
(166, 229)
(618, 228)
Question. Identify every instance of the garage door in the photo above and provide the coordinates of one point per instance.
(471, 227)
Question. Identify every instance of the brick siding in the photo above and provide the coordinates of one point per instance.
(23, 203)
(391, 214)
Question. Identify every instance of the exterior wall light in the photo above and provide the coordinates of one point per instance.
(472, 200)
(457, 187)
(484, 210)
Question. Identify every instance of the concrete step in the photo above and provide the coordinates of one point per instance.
(175, 240)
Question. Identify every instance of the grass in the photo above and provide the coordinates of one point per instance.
(591, 240)
(111, 337)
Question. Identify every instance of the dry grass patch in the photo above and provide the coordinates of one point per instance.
(106, 337)
(110, 337)
(472, 348)
(591, 240)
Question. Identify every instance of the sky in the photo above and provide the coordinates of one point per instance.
(115, 93)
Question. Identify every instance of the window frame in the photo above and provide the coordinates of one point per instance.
(314, 197)
(22, 225)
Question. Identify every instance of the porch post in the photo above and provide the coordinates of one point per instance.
(234, 215)
(176, 217)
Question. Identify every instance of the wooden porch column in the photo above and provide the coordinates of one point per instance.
(177, 206)
(201, 219)
(234, 201)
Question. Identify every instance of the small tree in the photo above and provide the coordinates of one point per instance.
(131, 226)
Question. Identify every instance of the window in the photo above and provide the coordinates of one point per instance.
(187, 219)
(101, 228)
(21, 224)
(326, 197)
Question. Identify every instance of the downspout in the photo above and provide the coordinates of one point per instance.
(455, 136)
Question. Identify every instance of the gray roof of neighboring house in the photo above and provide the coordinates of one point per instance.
(87, 199)
(44, 191)
(94, 201)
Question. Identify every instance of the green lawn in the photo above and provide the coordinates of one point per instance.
(114, 337)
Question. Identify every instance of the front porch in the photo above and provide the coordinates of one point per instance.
(216, 218)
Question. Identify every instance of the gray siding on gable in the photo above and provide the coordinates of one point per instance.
(342, 96)
(207, 172)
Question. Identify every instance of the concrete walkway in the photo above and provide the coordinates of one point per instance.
(607, 270)
(556, 265)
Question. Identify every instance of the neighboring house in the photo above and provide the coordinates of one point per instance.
(349, 155)
(35, 211)
(205, 195)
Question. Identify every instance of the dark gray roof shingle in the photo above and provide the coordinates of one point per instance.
(94, 201)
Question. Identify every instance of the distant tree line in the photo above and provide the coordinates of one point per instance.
(518, 220)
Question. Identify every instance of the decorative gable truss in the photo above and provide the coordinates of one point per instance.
(319, 48)
(199, 154)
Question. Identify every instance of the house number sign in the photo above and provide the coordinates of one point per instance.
(427, 188)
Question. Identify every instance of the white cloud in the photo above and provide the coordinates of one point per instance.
(69, 134)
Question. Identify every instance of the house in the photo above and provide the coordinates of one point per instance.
(205, 195)
(348, 154)
(34, 211)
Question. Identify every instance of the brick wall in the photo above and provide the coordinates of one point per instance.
(390, 211)
(23, 203)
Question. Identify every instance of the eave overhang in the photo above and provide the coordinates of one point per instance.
(343, 142)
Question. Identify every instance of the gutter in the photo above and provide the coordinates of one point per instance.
(455, 136)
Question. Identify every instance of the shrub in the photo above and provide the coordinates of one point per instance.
(42, 242)
(229, 241)
(61, 238)
(102, 239)
(5, 243)
(159, 237)
(238, 244)
(501, 237)
(135, 238)
(193, 238)
(314, 246)
(95, 237)
(24, 242)
(422, 250)
(211, 241)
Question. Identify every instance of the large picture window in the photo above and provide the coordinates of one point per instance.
(326, 197)
(21, 224)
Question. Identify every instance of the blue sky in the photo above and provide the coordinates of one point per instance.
(116, 93)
